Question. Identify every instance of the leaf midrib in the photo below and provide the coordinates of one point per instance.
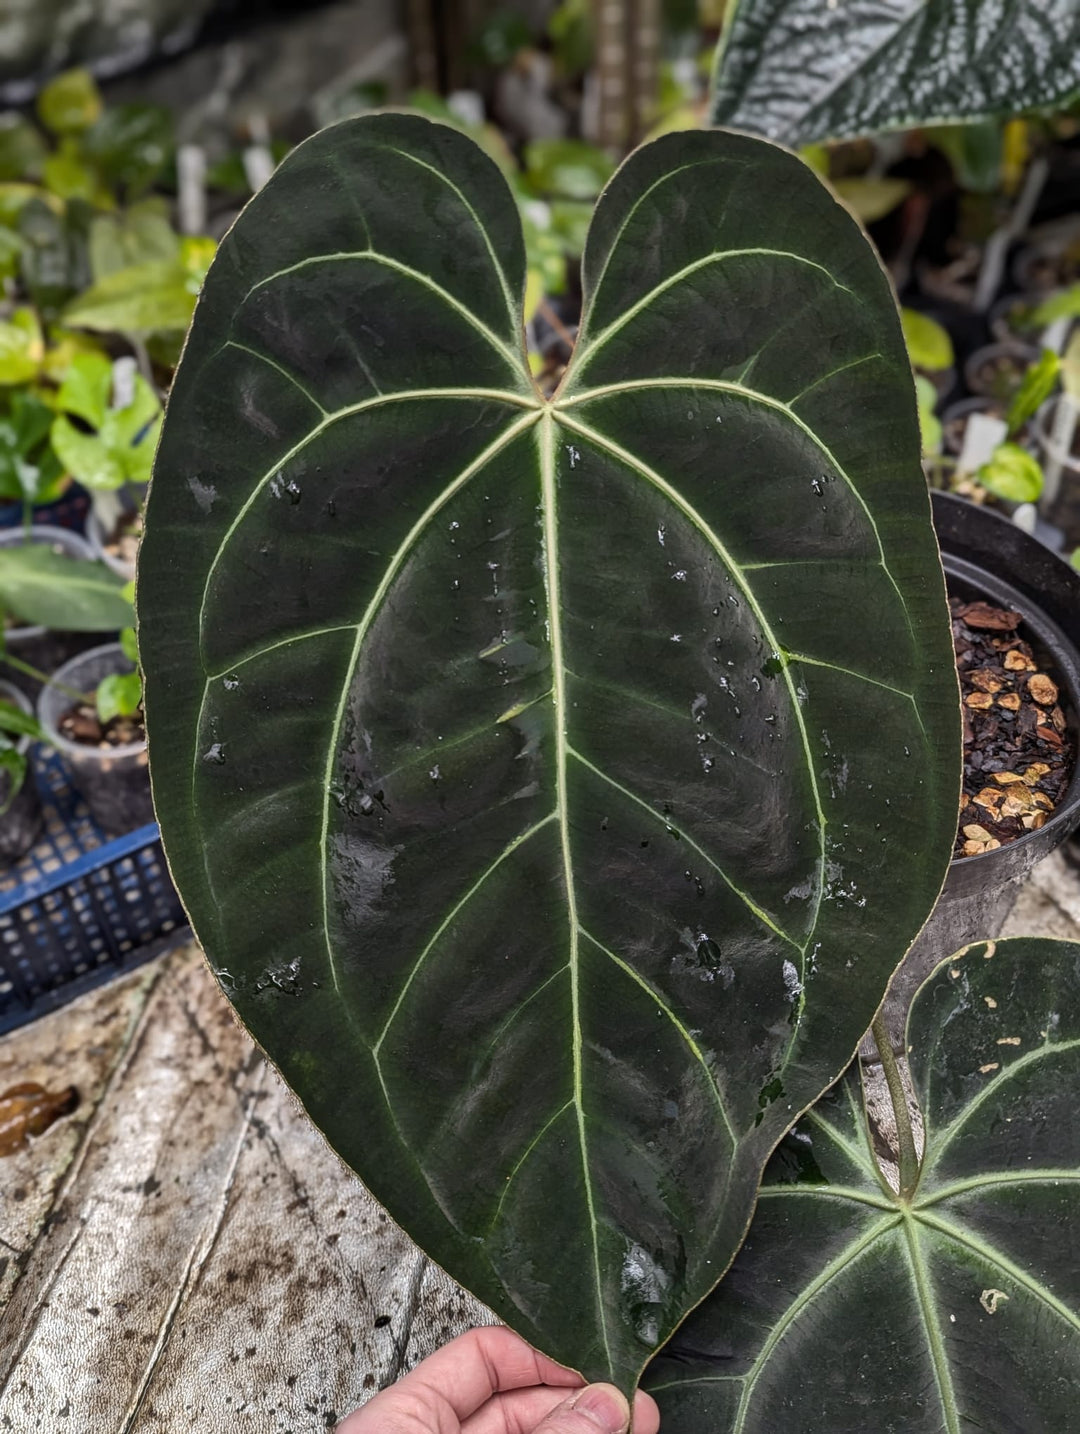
(546, 440)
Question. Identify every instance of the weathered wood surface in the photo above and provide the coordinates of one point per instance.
(185, 1254)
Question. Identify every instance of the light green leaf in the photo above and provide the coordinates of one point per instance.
(87, 388)
(929, 423)
(135, 300)
(568, 168)
(72, 594)
(1063, 305)
(514, 756)
(928, 342)
(141, 236)
(1035, 388)
(129, 643)
(68, 177)
(1012, 473)
(70, 103)
(22, 347)
(118, 695)
(871, 199)
(23, 151)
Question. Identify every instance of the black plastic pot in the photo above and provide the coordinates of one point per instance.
(985, 555)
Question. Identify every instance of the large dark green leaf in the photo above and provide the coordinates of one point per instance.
(529, 769)
(802, 70)
(848, 1311)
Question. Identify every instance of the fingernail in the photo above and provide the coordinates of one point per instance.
(604, 1404)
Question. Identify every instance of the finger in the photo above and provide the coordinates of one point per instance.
(465, 1373)
(520, 1411)
(596, 1409)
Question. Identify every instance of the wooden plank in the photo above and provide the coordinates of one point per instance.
(208, 1263)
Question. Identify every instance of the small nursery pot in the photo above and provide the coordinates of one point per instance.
(996, 370)
(42, 647)
(114, 781)
(988, 556)
(954, 420)
(20, 824)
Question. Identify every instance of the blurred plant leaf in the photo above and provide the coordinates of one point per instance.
(23, 150)
(929, 423)
(571, 35)
(1012, 473)
(871, 199)
(71, 103)
(974, 151)
(566, 168)
(1065, 304)
(17, 723)
(1035, 388)
(131, 146)
(13, 764)
(140, 235)
(30, 472)
(68, 176)
(118, 695)
(499, 38)
(136, 300)
(71, 594)
(121, 449)
(22, 347)
(929, 345)
(55, 261)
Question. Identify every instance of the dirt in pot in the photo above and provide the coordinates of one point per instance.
(123, 542)
(1018, 753)
(1000, 374)
(81, 724)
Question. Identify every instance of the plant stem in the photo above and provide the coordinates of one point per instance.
(44, 678)
(905, 1136)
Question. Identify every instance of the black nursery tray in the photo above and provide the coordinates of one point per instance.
(79, 907)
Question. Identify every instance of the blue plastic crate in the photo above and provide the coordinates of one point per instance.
(79, 907)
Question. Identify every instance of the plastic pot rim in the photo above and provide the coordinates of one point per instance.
(43, 533)
(61, 678)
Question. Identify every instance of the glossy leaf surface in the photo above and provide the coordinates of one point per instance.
(526, 766)
(846, 1311)
(802, 70)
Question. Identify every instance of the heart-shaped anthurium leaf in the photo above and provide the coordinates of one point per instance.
(847, 1310)
(531, 769)
(802, 70)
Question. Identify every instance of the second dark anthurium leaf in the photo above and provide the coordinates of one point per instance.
(802, 70)
(553, 784)
(847, 1310)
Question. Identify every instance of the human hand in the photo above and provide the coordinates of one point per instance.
(490, 1381)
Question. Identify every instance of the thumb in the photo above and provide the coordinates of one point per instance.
(596, 1409)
